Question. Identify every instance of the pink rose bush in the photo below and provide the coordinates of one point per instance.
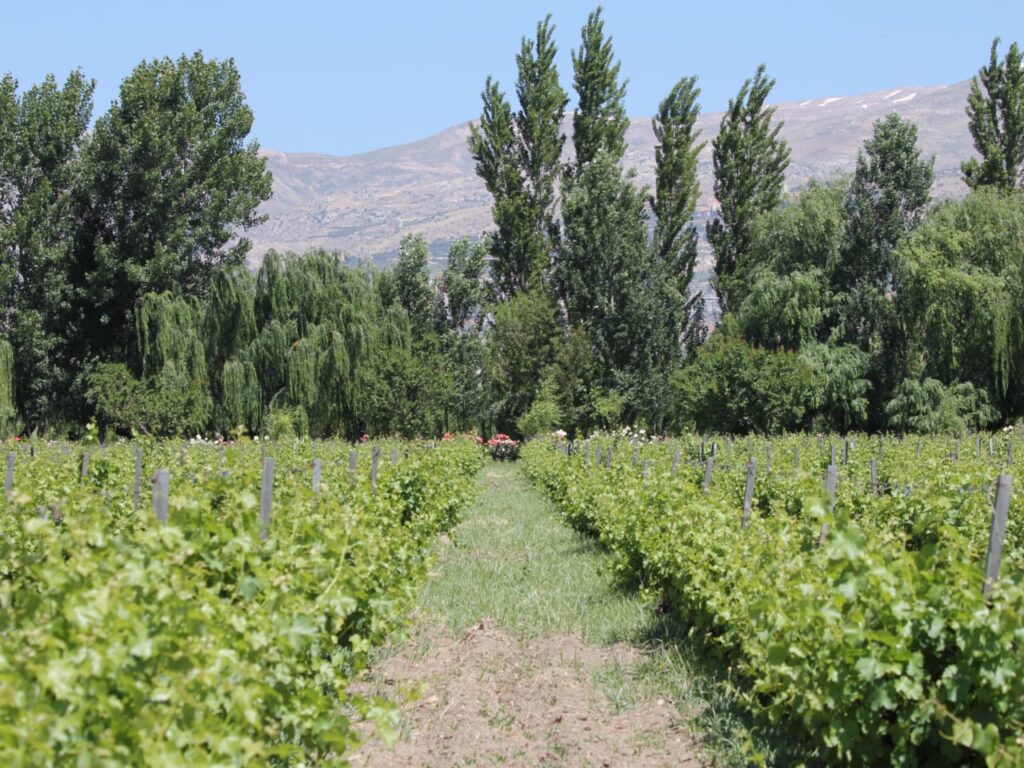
(503, 448)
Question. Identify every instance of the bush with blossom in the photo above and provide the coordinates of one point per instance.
(503, 448)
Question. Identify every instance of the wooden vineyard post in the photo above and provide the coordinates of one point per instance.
(394, 456)
(600, 456)
(161, 493)
(846, 452)
(874, 475)
(830, 488)
(608, 458)
(317, 469)
(266, 497)
(700, 452)
(675, 462)
(991, 448)
(85, 465)
(832, 452)
(374, 466)
(137, 492)
(708, 464)
(997, 535)
(796, 457)
(918, 448)
(9, 478)
(352, 459)
(748, 493)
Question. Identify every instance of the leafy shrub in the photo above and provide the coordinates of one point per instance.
(878, 645)
(200, 642)
(929, 406)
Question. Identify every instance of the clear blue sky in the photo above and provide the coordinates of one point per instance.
(342, 77)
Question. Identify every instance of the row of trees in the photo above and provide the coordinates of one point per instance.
(856, 304)
(593, 268)
(853, 305)
(91, 221)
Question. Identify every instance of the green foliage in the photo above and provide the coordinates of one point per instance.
(603, 256)
(283, 423)
(168, 184)
(608, 409)
(783, 311)
(888, 196)
(242, 402)
(600, 121)
(842, 403)
(8, 403)
(518, 157)
(411, 276)
(733, 387)
(42, 131)
(199, 642)
(167, 404)
(876, 647)
(996, 121)
(959, 292)
(750, 162)
(461, 291)
(676, 186)
(930, 407)
(520, 346)
(544, 416)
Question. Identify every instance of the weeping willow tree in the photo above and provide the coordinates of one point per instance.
(306, 346)
(960, 289)
(8, 405)
(320, 327)
(241, 403)
(172, 355)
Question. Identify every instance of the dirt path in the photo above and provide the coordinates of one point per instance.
(518, 653)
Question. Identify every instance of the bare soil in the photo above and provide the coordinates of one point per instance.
(488, 698)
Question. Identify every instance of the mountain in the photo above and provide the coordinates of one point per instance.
(363, 204)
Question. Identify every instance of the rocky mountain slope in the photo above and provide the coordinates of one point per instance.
(363, 204)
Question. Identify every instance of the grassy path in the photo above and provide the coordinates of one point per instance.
(524, 652)
(514, 562)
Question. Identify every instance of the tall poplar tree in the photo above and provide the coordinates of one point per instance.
(518, 155)
(41, 134)
(676, 188)
(996, 121)
(603, 211)
(600, 121)
(888, 196)
(750, 161)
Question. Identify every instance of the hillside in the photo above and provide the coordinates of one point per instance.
(363, 204)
